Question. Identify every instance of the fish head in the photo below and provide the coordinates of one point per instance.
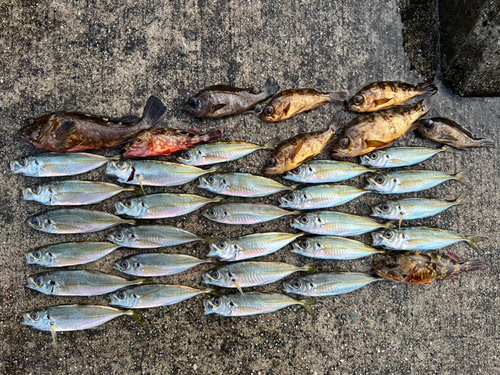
(38, 319)
(277, 163)
(307, 247)
(275, 111)
(121, 169)
(377, 159)
(388, 210)
(361, 102)
(299, 285)
(217, 213)
(129, 266)
(428, 127)
(41, 222)
(219, 276)
(134, 207)
(123, 237)
(222, 248)
(301, 173)
(389, 238)
(125, 298)
(391, 269)
(28, 166)
(221, 305)
(40, 257)
(42, 283)
(197, 106)
(214, 182)
(348, 146)
(294, 199)
(35, 131)
(38, 193)
(193, 156)
(308, 223)
(383, 183)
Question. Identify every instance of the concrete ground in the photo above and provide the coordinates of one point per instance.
(108, 57)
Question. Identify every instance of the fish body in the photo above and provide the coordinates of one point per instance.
(332, 247)
(72, 193)
(245, 213)
(399, 182)
(252, 303)
(291, 102)
(164, 141)
(336, 224)
(157, 264)
(221, 101)
(74, 220)
(218, 152)
(53, 164)
(323, 171)
(320, 196)
(328, 283)
(78, 283)
(394, 157)
(249, 246)
(241, 185)
(420, 238)
(376, 130)
(72, 131)
(152, 236)
(301, 148)
(157, 206)
(448, 132)
(419, 268)
(155, 295)
(69, 253)
(154, 172)
(382, 95)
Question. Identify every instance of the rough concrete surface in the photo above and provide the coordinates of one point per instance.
(108, 57)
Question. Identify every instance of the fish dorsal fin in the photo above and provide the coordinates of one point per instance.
(382, 101)
(63, 134)
(453, 256)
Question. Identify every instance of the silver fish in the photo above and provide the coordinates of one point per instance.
(157, 206)
(53, 164)
(332, 247)
(69, 253)
(78, 283)
(250, 246)
(320, 196)
(323, 171)
(252, 303)
(328, 283)
(421, 238)
(219, 152)
(241, 185)
(72, 193)
(157, 264)
(336, 224)
(154, 172)
(399, 156)
(74, 220)
(146, 296)
(409, 181)
(245, 213)
(152, 236)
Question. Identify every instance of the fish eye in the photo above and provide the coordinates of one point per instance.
(296, 284)
(388, 234)
(210, 179)
(186, 155)
(384, 207)
(29, 122)
(271, 162)
(217, 302)
(211, 212)
(374, 155)
(34, 315)
(390, 264)
(290, 197)
(23, 162)
(124, 263)
(192, 102)
(344, 142)
(269, 111)
(380, 179)
(222, 245)
(304, 219)
(37, 253)
(118, 235)
(38, 280)
(358, 100)
(303, 244)
(120, 164)
(35, 221)
(428, 123)
(128, 203)
(215, 274)
(35, 189)
(121, 295)
(296, 170)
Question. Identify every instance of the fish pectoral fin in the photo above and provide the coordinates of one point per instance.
(381, 101)
(417, 276)
(219, 106)
(64, 133)
(401, 215)
(453, 256)
(139, 180)
(296, 150)
(237, 285)
(448, 138)
(379, 144)
(53, 332)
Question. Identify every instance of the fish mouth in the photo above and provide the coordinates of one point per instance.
(27, 194)
(283, 202)
(377, 239)
(120, 208)
(209, 307)
(371, 185)
(205, 278)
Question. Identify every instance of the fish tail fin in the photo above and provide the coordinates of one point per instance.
(428, 103)
(294, 213)
(338, 98)
(271, 87)
(219, 199)
(445, 149)
(129, 221)
(213, 261)
(428, 86)
(142, 281)
(473, 265)
(136, 189)
(488, 143)
(293, 187)
(462, 177)
(462, 199)
(213, 169)
(153, 112)
(337, 122)
(271, 145)
(310, 267)
(135, 315)
(210, 291)
(389, 224)
(212, 135)
(307, 304)
(472, 241)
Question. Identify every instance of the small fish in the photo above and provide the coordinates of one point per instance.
(382, 95)
(164, 141)
(448, 132)
(73, 317)
(73, 131)
(154, 172)
(323, 171)
(301, 148)
(409, 181)
(152, 236)
(147, 296)
(158, 206)
(332, 247)
(52, 164)
(69, 253)
(376, 130)
(418, 268)
(399, 156)
(157, 264)
(245, 213)
(289, 103)
(73, 193)
(219, 152)
(78, 283)
(336, 224)
(74, 220)
(328, 283)
(241, 185)
(249, 246)
(320, 196)
(421, 238)
(221, 101)
(252, 303)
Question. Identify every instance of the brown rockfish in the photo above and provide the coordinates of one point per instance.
(73, 131)
(220, 101)
(420, 268)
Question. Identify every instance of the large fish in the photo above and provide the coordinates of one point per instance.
(418, 268)
(73, 131)
(220, 100)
